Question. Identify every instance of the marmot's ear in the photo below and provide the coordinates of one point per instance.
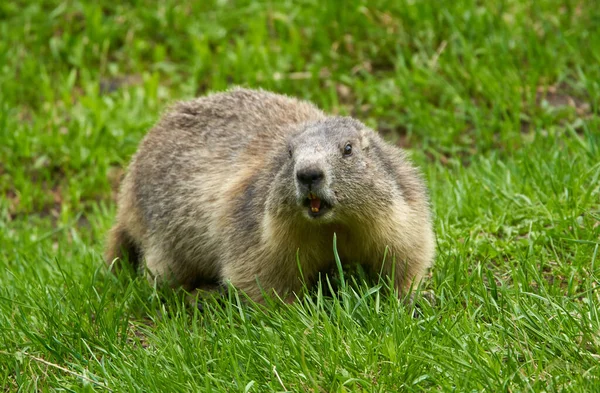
(365, 138)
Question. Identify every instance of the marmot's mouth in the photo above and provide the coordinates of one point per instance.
(316, 206)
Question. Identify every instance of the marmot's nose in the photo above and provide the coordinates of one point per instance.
(310, 176)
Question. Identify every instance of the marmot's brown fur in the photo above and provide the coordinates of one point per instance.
(248, 186)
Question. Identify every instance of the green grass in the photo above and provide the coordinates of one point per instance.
(498, 102)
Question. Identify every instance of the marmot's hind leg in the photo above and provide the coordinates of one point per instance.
(121, 249)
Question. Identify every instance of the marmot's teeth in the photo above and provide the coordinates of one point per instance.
(315, 204)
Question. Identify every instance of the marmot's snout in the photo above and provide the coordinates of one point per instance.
(310, 177)
(312, 189)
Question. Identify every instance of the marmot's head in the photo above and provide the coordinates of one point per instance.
(333, 172)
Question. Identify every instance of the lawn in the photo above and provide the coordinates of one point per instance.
(497, 102)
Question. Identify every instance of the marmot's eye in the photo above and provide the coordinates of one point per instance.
(348, 150)
(290, 151)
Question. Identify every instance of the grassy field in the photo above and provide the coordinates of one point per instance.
(497, 101)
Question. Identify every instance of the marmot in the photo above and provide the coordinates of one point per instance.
(250, 186)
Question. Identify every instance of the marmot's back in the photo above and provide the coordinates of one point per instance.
(238, 185)
(232, 119)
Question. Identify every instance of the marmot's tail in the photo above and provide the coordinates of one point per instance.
(121, 250)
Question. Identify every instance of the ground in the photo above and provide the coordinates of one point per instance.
(497, 101)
